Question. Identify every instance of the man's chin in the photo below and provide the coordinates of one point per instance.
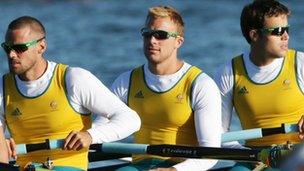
(16, 72)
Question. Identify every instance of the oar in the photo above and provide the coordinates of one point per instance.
(226, 137)
(161, 150)
(181, 151)
(47, 145)
(258, 132)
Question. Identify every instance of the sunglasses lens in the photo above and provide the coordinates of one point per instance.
(157, 34)
(16, 48)
(6, 48)
(20, 48)
(160, 35)
(146, 33)
(280, 31)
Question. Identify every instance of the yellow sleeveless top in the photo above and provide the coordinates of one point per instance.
(166, 117)
(270, 104)
(47, 116)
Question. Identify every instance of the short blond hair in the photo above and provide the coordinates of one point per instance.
(166, 11)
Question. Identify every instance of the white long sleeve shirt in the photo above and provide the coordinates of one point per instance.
(224, 79)
(86, 94)
(206, 103)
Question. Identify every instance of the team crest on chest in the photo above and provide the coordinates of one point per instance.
(286, 84)
(53, 105)
(179, 98)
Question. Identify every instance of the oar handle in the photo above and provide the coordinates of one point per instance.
(47, 145)
(258, 132)
(124, 148)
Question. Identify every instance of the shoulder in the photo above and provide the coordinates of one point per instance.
(223, 71)
(81, 78)
(300, 57)
(205, 83)
(77, 74)
(123, 77)
(71, 71)
(120, 86)
(300, 61)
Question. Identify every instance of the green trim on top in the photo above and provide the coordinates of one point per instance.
(247, 76)
(66, 93)
(143, 71)
(4, 101)
(3, 88)
(130, 82)
(28, 97)
(233, 61)
(191, 89)
(296, 72)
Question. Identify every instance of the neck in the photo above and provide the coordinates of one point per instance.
(260, 57)
(35, 72)
(168, 68)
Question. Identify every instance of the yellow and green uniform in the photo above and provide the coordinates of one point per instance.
(266, 105)
(46, 116)
(167, 117)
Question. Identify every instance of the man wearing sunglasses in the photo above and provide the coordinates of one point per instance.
(41, 99)
(177, 102)
(264, 85)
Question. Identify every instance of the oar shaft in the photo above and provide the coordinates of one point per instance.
(182, 151)
(258, 133)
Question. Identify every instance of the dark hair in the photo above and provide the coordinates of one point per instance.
(24, 21)
(253, 14)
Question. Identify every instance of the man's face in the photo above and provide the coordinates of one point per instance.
(274, 45)
(21, 61)
(158, 50)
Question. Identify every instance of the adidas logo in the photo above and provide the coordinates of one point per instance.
(16, 112)
(139, 94)
(243, 90)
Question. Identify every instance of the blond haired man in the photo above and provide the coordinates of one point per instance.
(177, 102)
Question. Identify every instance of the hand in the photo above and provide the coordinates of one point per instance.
(12, 148)
(301, 128)
(77, 140)
(164, 169)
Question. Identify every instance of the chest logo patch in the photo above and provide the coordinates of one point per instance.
(139, 94)
(243, 91)
(180, 98)
(54, 105)
(16, 112)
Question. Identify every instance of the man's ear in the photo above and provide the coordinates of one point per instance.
(254, 35)
(179, 42)
(42, 46)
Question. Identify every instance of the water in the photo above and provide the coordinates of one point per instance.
(103, 36)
